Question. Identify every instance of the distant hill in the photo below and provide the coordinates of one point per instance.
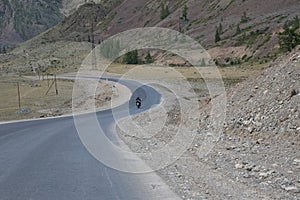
(22, 20)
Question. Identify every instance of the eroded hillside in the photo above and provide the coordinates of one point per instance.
(233, 31)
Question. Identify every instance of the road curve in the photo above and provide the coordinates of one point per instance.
(45, 159)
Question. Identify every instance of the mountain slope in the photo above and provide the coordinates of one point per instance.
(22, 20)
(258, 22)
(248, 30)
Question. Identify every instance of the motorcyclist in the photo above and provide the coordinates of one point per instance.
(138, 102)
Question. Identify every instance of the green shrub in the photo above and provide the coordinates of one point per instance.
(289, 38)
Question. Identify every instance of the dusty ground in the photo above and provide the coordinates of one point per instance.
(231, 75)
(191, 175)
(241, 163)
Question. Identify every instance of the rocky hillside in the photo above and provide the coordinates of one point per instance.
(22, 20)
(270, 102)
(240, 24)
(257, 155)
(234, 31)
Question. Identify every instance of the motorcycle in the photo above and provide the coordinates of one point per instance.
(138, 103)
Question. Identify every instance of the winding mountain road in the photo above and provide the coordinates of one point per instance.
(45, 159)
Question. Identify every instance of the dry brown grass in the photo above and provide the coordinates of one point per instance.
(33, 97)
(230, 75)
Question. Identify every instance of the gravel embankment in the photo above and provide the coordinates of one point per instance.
(258, 154)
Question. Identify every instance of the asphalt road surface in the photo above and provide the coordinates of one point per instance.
(45, 159)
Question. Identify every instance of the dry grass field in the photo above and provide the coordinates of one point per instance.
(230, 75)
(34, 100)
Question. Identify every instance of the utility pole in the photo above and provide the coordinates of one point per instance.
(55, 81)
(48, 80)
(50, 87)
(39, 74)
(19, 96)
(93, 46)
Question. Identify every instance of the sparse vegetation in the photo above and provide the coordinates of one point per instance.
(235, 61)
(164, 12)
(244, 18)
(266, 40)
(148, 58)
(185, 13)
(3, 49)
(290, 38)
(220, 28)
(228, 5)
(238, 29)
(131, 57)
(251, 38)
(217, 36)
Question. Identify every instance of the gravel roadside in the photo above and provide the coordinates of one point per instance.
(257, 156)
